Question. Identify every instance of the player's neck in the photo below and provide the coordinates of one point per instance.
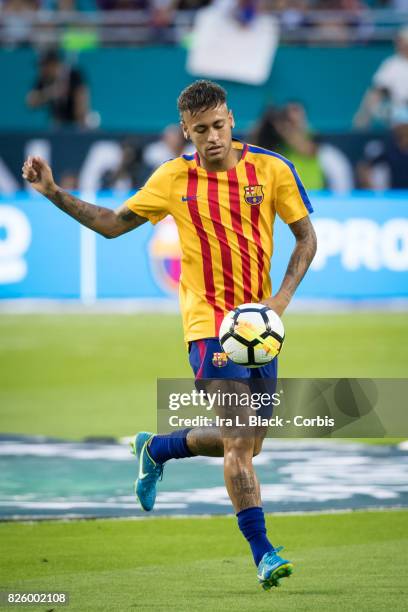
(230, 161)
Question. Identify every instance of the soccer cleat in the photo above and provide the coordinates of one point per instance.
(149, 471)
(272, 567)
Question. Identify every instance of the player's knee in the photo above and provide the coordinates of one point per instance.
(239, 447)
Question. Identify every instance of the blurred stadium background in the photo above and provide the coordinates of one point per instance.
(88, 325)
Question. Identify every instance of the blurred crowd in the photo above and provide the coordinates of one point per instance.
(284, 129)
(321, 164)
(62, 89)
(294, 10)
(383, 164)
(134, 164)
(335, 21)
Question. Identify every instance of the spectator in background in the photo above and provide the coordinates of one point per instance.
(126, 175)
(388, 95)
(62, 89)
(338, 22)
(335, 28)
(172, 144)
(16, 28)
(320, 165)
(292, 13)
(385, 165)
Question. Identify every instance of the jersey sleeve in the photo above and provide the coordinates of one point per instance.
(152, 200)
(292, 202)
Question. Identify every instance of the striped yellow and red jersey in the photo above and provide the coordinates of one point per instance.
(225, 223)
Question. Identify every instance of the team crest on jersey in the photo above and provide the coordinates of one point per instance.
(219, 360)
(254, 194)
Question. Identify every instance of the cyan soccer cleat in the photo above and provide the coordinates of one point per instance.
(272, 567)
(149, 471)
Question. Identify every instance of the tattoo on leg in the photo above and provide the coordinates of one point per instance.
(245, 489)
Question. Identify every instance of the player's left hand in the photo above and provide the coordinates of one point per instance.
(276, 303)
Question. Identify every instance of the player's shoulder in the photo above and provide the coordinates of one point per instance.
(167, 171)
(268, 157)
(175, 165)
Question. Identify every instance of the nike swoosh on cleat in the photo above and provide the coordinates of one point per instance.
(142, 474)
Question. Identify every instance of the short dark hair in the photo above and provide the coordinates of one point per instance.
(200, 96)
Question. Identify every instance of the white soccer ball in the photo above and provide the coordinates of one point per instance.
(252, 335)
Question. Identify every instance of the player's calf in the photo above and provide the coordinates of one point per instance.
(243, 488)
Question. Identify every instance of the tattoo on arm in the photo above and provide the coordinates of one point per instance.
(301, 257)
(97, 218)
(127, 215)
(127, 219)
(107, 222)
(80, 210)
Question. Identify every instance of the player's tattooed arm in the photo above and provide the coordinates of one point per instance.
(300, 260)
(107, 222)
(127, 219)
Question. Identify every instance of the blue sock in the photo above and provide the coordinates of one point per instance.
(251, 522)
(170, 446)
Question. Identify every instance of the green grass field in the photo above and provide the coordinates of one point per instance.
(76, 375)
(73, 376)
(343, 562)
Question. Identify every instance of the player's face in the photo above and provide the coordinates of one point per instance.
(210, 132)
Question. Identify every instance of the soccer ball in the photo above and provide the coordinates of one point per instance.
(252, 335)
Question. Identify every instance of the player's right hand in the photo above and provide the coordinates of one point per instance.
(38, 173)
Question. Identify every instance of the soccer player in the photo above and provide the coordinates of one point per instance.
(224, 200)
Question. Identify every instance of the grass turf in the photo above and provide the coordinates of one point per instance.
(355, 561)
(72, 376)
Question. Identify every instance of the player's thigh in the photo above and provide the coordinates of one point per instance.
(232, 385)
(208, 361)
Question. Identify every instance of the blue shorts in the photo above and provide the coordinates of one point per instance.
(204, 360)
(208, 361)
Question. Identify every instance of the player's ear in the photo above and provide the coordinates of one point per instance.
(231, 118)
(185, 130)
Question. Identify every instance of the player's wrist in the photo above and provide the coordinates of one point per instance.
(278, 303)
(51, 190)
